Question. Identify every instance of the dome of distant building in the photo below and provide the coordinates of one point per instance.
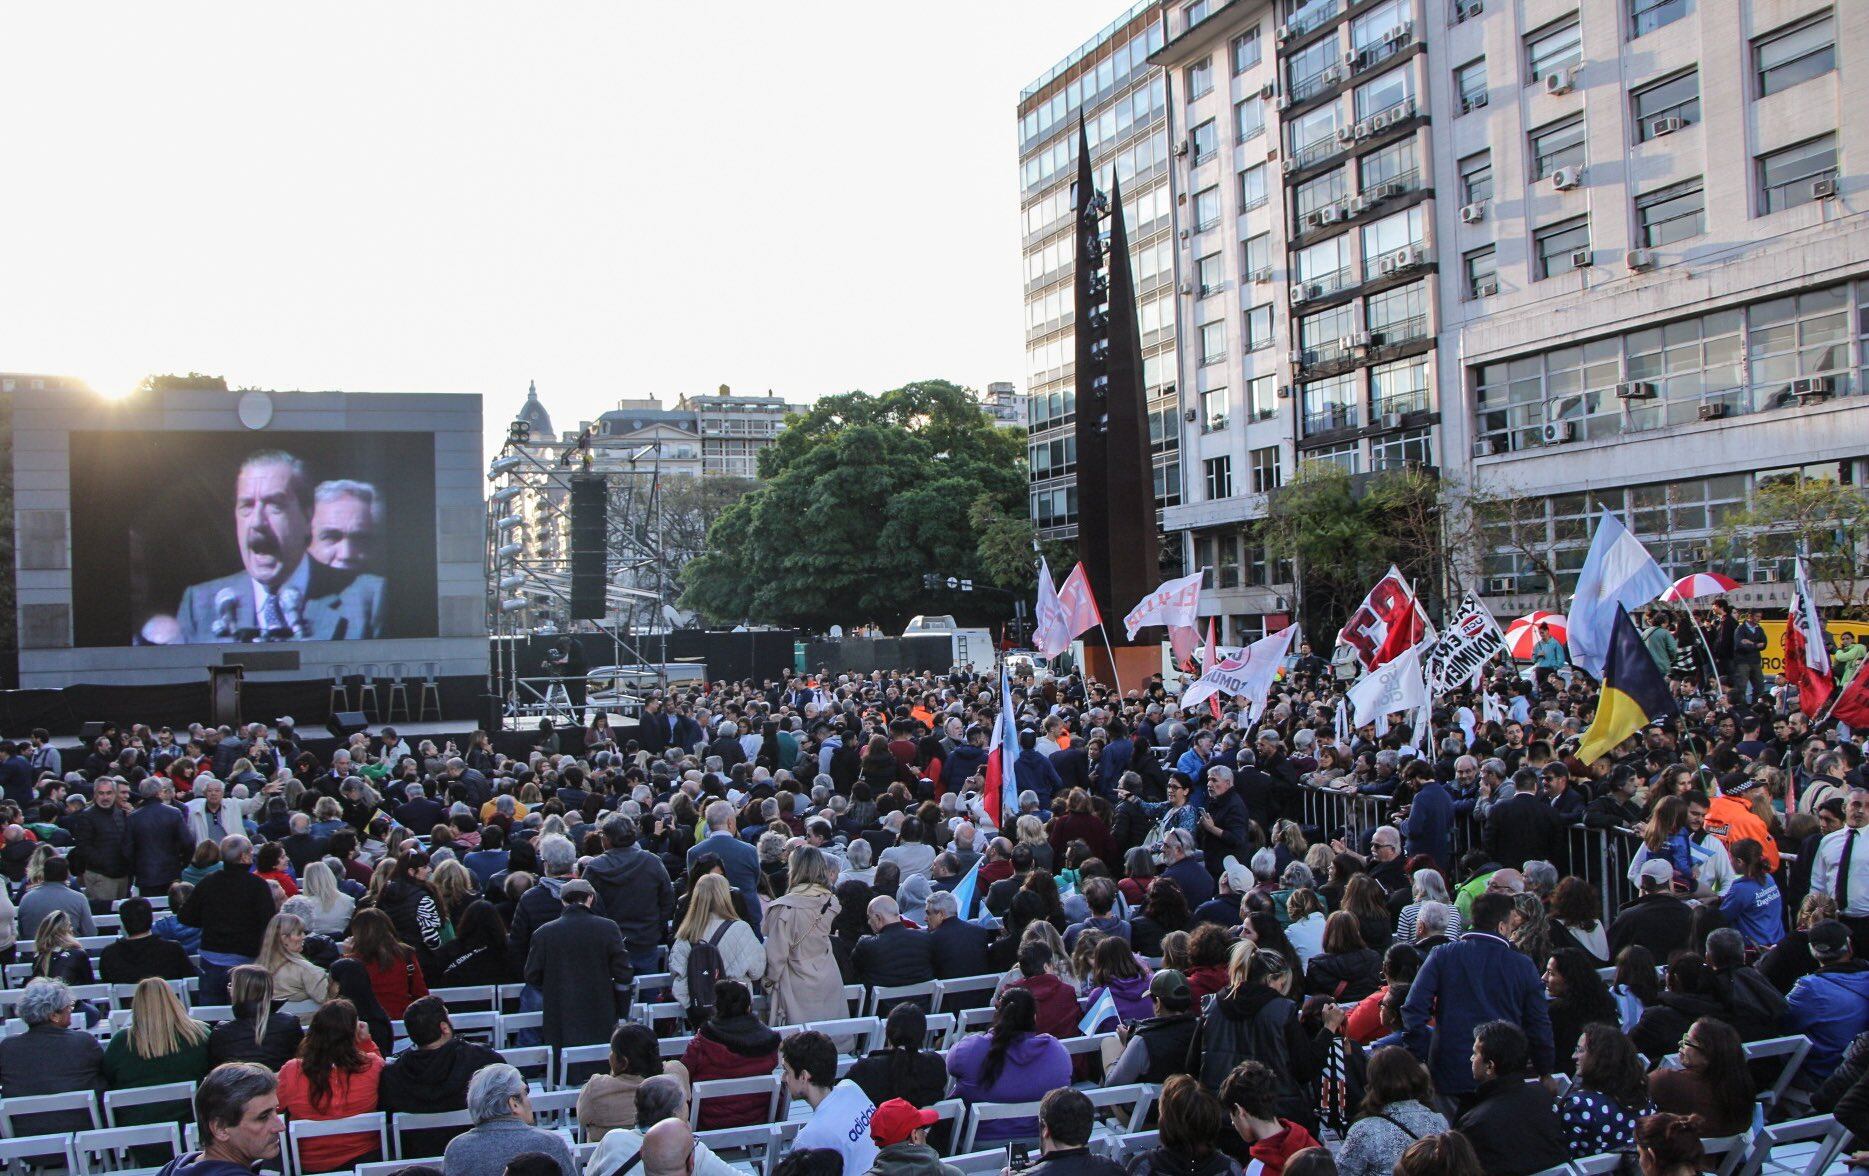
(534, 414)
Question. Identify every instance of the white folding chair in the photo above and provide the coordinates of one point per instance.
(980, 1163)
(17, 1149)
(510, 1025)
(1728, 1150)
(673, 1047)
(404, 1123)
(950, 1111)
(1139, 1097)
(509, 996)
(863, 1032)
(483, 1027)
(739, 1145)
(577, 1055)
(1791, 1052)
(1555, 1170)
(940, 1030)
(1801, 1147)
(899, 992)
(529, 1058)
(856, 996)
(484, 998)
(766, 1084)
(992, 1112)
(972, 1020)
(94, 945)
(13, 1110)
(556, 1108)
(650, 1012)
(780, 1143)
(961, 986)
(143, 1096)
(1135, 1143)
(1088, 1045)
(109, 1150)
(1604, 1165)
(649, 985)
(299, 1130)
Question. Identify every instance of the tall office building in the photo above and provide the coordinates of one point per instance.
(1644, 260)
(1124, 102)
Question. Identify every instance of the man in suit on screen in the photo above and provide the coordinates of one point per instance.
(282, 593)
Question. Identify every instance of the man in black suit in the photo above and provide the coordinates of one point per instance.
(1000, 894)
(1523, 828)
(959, 946)
(419, 814)
(893, 954)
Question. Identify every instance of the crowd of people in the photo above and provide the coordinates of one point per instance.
(1426, 980)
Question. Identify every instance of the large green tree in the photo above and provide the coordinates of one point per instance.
(860, 497)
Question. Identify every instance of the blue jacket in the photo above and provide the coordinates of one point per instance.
(1111, 765)
(1830, 1006)
(1755, 910)
(1477, 978)
(1430, 823)
(1192, 765)
(964, 761)
(1033, 770)
(741, 863)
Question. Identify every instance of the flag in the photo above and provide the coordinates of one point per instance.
(1634, 692)
(1491, 709)
(1248, 672)
(1618, 573)
(1079, 603)
(1470, 639)
(1103, 1010)
(1209, 656)
(1175, 602)
(1852, 705)
(1393, 686)
(1002, 785)
(1049, 636)
(1181, 642)
(1388, 621)
(964, 889)
(1807, 662)
(1341, 725)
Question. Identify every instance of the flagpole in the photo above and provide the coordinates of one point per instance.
(1114, 672)
(1712, 662)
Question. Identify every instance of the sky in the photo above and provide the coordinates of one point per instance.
(616, 200)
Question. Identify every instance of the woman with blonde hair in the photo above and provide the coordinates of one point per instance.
(1041, 931)
(334, 907)
(256, 1034)
(162, 1043)
(300, 985)
(1030, 832)
(711, 918)
(1306, 930)
(57, 954)
(801, 969)
(457, 889)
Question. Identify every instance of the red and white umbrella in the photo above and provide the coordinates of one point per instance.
(1698, 585)
(1522, 634)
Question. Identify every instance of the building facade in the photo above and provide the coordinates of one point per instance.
(1566, 253)
(1124, 103)
(734, 429)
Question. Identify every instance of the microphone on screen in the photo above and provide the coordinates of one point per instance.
(292, 601)
(226, 604)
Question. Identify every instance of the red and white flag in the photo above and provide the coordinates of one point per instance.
(1807, 662)
(1388, 623)
(1066, 613)
(1210, 654)
(1001, 799)
(1175, 604)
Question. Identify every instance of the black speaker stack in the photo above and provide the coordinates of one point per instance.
(588, 565)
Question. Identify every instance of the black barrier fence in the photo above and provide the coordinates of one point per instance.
(860, 655)
(729, 657)
(1599, 856)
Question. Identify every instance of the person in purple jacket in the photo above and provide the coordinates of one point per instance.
(1012, 1062)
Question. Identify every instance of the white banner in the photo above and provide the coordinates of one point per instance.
(1248, 672)
(1471, 638)
(1050, 635)
(1390, 687)
(1175, 603)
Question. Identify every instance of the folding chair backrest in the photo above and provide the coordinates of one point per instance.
(1137, 1142)
(1139, 1097)
(1555, 1170)
(107, 1150)
(885, 996)
(988, 1112)
(980, 1163)
(512, 1024)
(780, 1143)
(578, 1055)
(651, 985)
(674, 1047)
(963, 986)
(36, 1147)
(143, 1096)
(13, 1110)
(940, 1030)
(476, 998)
(972, 1020)
(857, 997)
(403, 1123)
(556, 1108)
(754, 1141)
(862, 1032)
(299, 1130)
(532, 1061)
(1729, 1151)
(766, 1084)
(951, 1111)
(1790, 1051)
(1603, 1165)
(1777, 1148)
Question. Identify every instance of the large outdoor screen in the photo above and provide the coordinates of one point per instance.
(185, 538)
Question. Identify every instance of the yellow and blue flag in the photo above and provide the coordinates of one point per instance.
(1634, 692)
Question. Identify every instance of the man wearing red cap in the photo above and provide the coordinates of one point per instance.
(900, 1129)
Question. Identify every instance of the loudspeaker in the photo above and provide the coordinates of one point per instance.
(344, 724)
(588, 563)
(91, 732)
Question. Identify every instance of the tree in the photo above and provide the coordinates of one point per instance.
(860, 497)
(1005, 548)
(1825, 519)
(1506, 528)
(193, 381)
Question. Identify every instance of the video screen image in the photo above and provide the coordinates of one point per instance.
(193, 538)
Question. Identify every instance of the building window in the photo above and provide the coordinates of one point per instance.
(1398, 315)
(1645, 16)
(1213, 277)
(1389, 235)
(1213, 342)
(1265, 473)
(1252, 187)
(1387, 92)
(1556, 145)
(1399, 387)
(1259, 327)
(1554, 246)
(1256, 255)
(1203, 141)
(1555, 47)
(1787, 176)
(1394, 164)
(1194, 13)
(1348, 456)
(1470, 84)
(1397, 450)
(1219, 475)
(1213, 410)
(1207, 208)
(1330, 404)
(1482, 270)
(1246, 50)
(1249, 118)
(1671, 214)
(1329, 188)
(1320, 336)
(1200, 79)
(1262, 398)
(1227, 563)
(1675, 97)
(1476, 178)
(1795, 54)
(1168, 484)
(1325, 264)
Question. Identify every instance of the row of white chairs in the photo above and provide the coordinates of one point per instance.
(1810, 1146)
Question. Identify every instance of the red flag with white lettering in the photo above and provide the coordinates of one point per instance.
(1388, 623)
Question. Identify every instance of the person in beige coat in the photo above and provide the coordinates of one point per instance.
(742, 957)
(299, 984)
(801, 972)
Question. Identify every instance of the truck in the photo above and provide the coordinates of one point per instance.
(972, 647)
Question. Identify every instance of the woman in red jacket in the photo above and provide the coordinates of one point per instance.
(334, 1076)
(395, 974)
(732, 1044)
